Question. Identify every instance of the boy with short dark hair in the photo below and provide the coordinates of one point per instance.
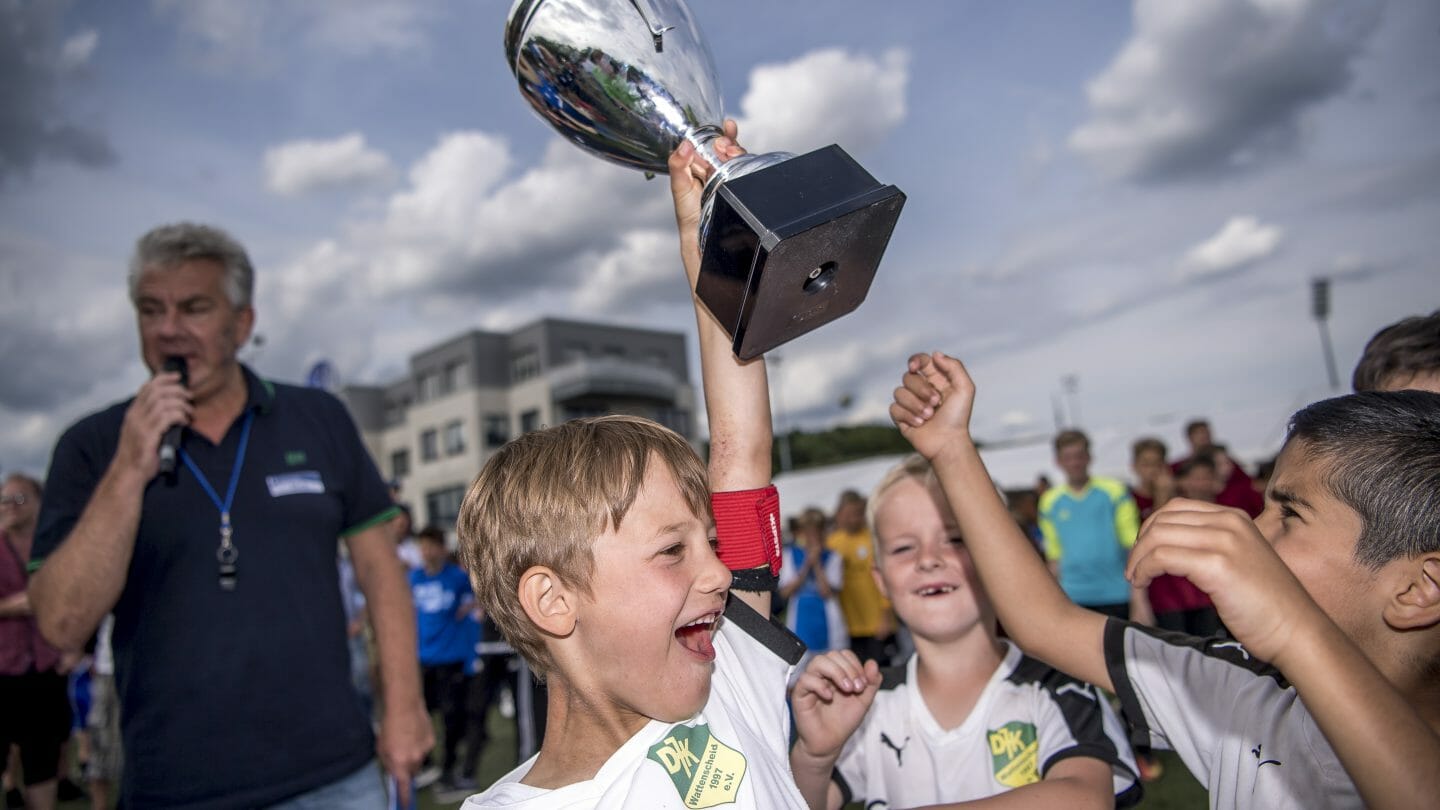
(592, 546)
(1405, 354)
(1344, 599)
(1154, 482)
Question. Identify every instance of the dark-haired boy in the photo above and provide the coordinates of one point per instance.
(1405, 354)
(1343, 600)
(592, 547)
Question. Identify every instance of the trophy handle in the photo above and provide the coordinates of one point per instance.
(647, 12)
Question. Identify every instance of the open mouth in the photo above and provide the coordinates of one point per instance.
(697, 636)
(935, 590)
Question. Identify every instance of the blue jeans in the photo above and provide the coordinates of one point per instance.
(362, 790)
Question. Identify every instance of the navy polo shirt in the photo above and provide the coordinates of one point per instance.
(234, 698)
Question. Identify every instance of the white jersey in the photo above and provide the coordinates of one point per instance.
(1237, 724)
(1028, 718)
(733, 754)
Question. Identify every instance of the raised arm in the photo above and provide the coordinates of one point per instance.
(932, 409)
(82, 574)
(737, 395)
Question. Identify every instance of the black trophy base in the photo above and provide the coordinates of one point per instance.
(794, 246)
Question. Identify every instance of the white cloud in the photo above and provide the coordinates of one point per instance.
(227, 33)
(826, 96)
(300, 167)
(77, 50)
(465, 226)
(360, 28)
(1241, 242)
(1203, 87)
(645, 266)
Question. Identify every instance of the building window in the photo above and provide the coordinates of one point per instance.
(655, 357)
(453, 378)
(429, 445)
(454, 438)
(525, 365)
(677, 419)
(400, 463)
(429, 386)
(614, 351)
(497, 429)
(442, 507)
(583, 412)
(530, 421)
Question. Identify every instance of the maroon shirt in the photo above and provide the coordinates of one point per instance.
(22, 649)
(1169, 594)
(1240, 493)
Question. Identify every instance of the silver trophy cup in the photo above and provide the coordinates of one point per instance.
(787, 243)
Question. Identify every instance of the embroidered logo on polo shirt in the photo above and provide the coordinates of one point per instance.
(305, 482)
(1015, 754)
(706, 772)
(294, 458)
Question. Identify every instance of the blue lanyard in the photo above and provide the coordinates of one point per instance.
(227, 553)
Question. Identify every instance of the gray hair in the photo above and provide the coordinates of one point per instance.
(169, 245)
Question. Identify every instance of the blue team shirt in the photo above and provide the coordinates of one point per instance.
(808, 618)
(443, 637)
(1090, 533)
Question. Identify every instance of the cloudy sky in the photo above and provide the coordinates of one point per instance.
(1132, 197)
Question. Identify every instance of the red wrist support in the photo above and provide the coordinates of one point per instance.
(747, 522)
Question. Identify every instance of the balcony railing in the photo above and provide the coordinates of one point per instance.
(612, 377)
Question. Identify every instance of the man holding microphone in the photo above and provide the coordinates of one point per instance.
(230, 655)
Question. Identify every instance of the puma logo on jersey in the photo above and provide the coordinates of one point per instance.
(898, 749)
(1082, 691)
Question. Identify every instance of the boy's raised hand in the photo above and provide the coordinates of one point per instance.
(933, 403)
(830, 699)
(688, 174)
(1223, 553)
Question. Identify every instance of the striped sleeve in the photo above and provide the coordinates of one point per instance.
(1076, 721)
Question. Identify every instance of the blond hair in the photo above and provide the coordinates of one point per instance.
(912, 466)
(544, 499)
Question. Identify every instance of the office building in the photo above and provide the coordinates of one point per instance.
(464, 398)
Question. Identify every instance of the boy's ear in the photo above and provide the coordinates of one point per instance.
(879, 581)
(548, 601)
(1416, 604)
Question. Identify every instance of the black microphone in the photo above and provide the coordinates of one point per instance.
(170, 444)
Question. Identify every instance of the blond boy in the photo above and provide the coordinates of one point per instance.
(968, 717)
(592, 546)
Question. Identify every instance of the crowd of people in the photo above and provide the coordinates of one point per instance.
(1280, 631)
